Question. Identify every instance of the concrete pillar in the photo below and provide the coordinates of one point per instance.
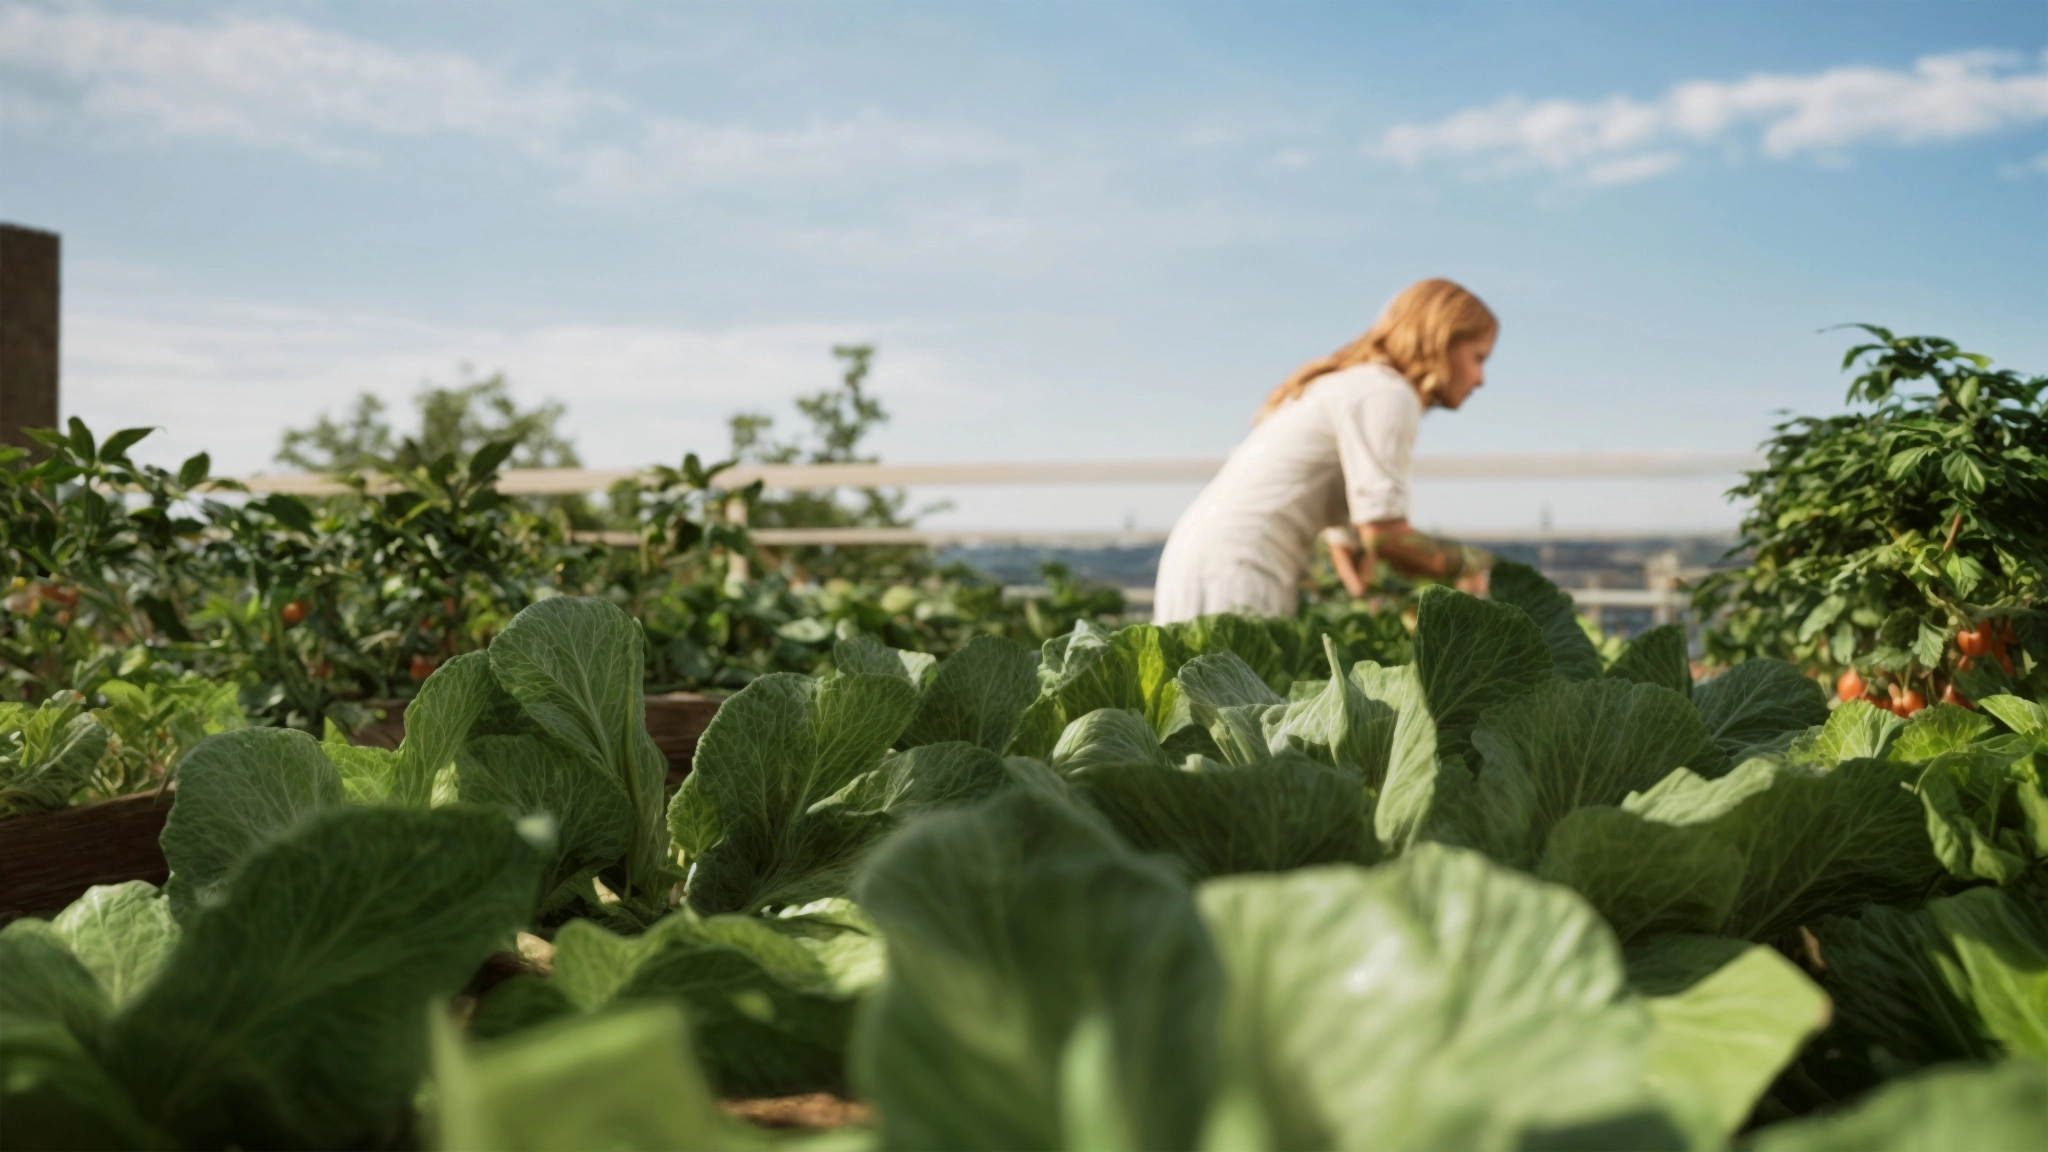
(28, 333)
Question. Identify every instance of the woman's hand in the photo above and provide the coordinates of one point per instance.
(1354, 569)
(1417, 554)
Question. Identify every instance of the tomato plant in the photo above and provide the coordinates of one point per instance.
(1909, 537)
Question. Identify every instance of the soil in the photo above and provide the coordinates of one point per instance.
(812, 1111)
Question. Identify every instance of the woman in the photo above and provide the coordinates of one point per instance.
(1331, 446)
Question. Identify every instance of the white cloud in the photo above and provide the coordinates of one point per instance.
(278, 83)
(270, 81)
(1622, 139)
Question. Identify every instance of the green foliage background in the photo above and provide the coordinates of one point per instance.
(1877, 535)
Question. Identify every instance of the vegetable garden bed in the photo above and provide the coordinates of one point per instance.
(49, 859)
(1216, 885)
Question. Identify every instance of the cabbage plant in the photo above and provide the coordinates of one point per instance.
(1152, 888)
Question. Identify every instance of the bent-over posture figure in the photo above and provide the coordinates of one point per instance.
(1331, 447)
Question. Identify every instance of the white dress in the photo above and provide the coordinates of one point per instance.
(1337, 454)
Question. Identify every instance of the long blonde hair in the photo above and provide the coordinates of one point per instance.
(1414, 337)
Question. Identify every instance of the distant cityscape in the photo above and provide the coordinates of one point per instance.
(1635, 563)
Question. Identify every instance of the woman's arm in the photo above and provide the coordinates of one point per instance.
(1416, 554)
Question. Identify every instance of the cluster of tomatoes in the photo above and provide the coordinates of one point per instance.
(422, 666)
(1991, 638)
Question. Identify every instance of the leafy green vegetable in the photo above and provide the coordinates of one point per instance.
(46, 983)
(1592, 742)
(574, 664)
(236, 791)
(54, 1094)
(1719, 1041)
(620, 1080)
(1657, 657)
(1435, 1002)
(1284, 812)
(1757, 706)
(766, 765)
(1046, 985)
(978, 695)
(122, 933)
(2003, 1108)
(1472, 655)
(1812, 843)
(526, 775)
(1644, 877)
(772, 1013)
(47, 753)
(290, 1011)
(438, 721)
(1572, 654)
(2000, 940)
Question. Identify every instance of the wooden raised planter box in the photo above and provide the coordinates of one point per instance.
(50, 859)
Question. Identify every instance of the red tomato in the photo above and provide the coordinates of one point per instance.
(1976, 641)
(294, 612)
(422, 667)
(1850, 686)
(1949, 695)
(1909, 702)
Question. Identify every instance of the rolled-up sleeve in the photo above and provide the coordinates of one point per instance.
(1375, 442)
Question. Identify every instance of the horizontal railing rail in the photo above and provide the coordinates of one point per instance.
(800, 477)
(1127, 538)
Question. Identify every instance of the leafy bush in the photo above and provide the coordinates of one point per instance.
(1507, 894)
(1879, 537)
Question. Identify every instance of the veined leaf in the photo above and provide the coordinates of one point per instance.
(1758, 705)
(525, 775)
(1012, 925)
(122, 933)
(1812, 843)
(1855, 730)
(1657, 657)
(1284, 812)
(575, 666)
(1644, 877)
(776, 749)
(1438, 1001)
(437, 721)
(1593, 742)
(1572, 654)
(290, 1013)
(236, 791)
(1471, 655)
(47, 983)
(867, 655)
(2000, 939)
(771, 1017)
(54, 1094)
(978, 695)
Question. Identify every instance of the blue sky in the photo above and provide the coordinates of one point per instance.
(1075, 231)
